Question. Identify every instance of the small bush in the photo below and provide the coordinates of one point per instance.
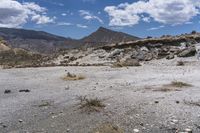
(180, 84)
(70, 76)
(91, 105)
(108, 128)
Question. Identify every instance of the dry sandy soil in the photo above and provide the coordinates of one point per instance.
(135, 98)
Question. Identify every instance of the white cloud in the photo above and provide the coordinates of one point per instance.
(42, 19)
(64, 24)
(92, 1)
(156, 28)
(163, 11)
(15, 14)
(89, 16)
(82, 26)
(64, 14)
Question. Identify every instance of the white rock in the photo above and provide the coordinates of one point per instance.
(136, 130)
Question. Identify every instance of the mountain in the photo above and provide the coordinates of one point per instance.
(43, 42)
(106, 36)
(36, 41)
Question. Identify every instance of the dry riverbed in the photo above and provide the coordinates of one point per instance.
(158, 97)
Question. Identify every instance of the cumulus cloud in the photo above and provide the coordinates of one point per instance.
(163, 11)
(15, 14)
(89, 16)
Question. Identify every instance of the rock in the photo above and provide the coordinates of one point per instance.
(188, 52)
(188, 130)
(68, 130)
(130, 62)
(156, 101)
(7, 91)
(26, 90)
(144, 49)
(170, 56)
(136, 130)
(20, 120)
(115, 52)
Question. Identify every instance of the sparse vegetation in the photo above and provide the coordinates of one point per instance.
(91, 105)
(166, 89)
(44, 104)
(70, 76)
(179, 84)
(108, 128)
(193, 103)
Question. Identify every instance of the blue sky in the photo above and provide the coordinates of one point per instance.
(79, 18)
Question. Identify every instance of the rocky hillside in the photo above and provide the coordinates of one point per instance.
(105, 36)
(168, 47)
(36, 41)
(42, 42)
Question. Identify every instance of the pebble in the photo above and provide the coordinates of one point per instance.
(26, 90)
(7, 91)
(136, 130)
(188, 130)
(20, 120)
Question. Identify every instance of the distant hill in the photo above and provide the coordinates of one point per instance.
(43, 42)
(36, 41)
(106, 36)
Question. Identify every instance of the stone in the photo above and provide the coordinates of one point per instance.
(188, 130)
(136, 130)
(26, 90)
(170, 56)
(20, 120)
(191, 51)
(7, 91)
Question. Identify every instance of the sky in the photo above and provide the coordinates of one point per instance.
(79, 18)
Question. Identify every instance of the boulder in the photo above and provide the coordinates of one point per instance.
(170, 56)
(114, 53)
(130, 62)
(191, 51)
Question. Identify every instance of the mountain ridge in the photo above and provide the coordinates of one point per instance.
(43, 42)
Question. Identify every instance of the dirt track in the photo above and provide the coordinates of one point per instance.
(132, 98)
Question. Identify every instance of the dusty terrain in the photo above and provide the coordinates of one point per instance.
(135, 98)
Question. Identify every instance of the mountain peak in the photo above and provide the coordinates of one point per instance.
(102, 29)
(106, 36)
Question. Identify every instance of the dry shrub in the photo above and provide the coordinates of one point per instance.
(108, 128)
(70, 76)
(192, 103)
(179, 84)
(91, 105)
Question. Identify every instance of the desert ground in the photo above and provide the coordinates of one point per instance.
(136, 99)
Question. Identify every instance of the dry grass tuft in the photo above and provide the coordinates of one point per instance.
(179, 84)
(72, 77)
(44, 104)
(91, 105)
(165, 89)
(192, 103)
(108, 128)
